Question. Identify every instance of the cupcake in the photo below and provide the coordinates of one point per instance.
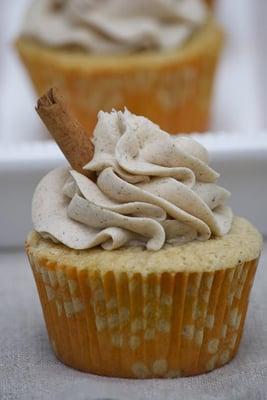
(158, 58)
(142, 269)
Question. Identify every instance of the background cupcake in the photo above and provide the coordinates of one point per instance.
(157, 58)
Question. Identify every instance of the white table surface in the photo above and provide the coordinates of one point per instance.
(29, 369)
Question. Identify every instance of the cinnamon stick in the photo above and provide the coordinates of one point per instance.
(68, 133)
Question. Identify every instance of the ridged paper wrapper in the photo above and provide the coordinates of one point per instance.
(138, 325)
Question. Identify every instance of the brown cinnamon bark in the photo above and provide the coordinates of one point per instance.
(70, 136)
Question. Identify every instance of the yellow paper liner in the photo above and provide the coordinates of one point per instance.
(135, 326)
(172, 90)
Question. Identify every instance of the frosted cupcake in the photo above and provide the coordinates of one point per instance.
(156, 57)
(142, 270)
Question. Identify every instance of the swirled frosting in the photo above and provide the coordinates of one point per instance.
(110, 26)
(150, 189)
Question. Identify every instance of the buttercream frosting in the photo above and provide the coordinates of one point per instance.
(150, 188)
(114, 26)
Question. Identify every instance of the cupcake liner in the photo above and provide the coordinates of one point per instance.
(143, 326)
(172, 89)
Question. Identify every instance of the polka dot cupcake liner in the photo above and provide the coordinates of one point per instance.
(143, 326)
(172, 89)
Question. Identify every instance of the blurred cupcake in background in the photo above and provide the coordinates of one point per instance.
(156, 57)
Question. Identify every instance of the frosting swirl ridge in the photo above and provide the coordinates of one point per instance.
(114, 26)
(150, 189)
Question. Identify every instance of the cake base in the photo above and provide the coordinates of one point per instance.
(168, 320)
